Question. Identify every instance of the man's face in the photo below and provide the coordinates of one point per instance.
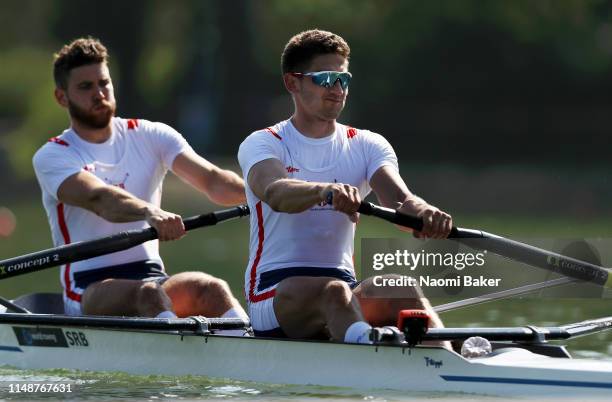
(317, 101)
(89, 97)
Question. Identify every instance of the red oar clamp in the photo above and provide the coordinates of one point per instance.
(414, 324)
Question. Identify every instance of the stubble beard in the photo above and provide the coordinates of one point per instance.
(332, 113)
(91, 119)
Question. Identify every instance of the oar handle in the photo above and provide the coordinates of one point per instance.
(93, 248)
(393, 216)
(213, 218)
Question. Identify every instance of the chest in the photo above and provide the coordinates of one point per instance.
(135, 169)
(347, 165)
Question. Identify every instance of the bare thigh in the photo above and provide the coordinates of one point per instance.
(304, 307)
(124, 297)
(197, 293)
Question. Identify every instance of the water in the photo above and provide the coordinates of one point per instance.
(112, 386)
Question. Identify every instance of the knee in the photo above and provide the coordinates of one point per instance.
(197, 285)
(336, 292)
(150, 291)
(211, 297)
(215, 288)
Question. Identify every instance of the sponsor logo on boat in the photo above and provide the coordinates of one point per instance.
(429, 362)
(76, 338)
(47, 337)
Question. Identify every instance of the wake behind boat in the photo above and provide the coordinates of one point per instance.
(522, 363)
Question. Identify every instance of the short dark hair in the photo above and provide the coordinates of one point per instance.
(80, 52)
(303, 47)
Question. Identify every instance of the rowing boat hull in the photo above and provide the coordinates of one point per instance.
(299, 362)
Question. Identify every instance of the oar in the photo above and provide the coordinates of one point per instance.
(579, 249)
(502, 294)
(512, 249)
(92, 248)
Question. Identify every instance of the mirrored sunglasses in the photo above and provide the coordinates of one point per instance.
(328, 79)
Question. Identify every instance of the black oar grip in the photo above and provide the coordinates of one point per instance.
(393, 216)
(390, 215)
(215, 217)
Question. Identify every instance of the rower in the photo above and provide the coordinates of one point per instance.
(300, 280)
(104, 175)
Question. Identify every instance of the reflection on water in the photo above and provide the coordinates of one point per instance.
(112, 386)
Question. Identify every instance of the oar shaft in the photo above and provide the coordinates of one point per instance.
(515, 250)
(502, 294)
(93, 248)
(537, 257)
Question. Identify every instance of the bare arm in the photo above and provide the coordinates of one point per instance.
(268, 180)
(84, 190)
(392, 192)
(223, 187)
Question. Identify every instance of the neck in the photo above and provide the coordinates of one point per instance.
(95, 135)
(313, 127)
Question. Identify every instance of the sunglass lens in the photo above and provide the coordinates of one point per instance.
(322, 79)
(327, 79)
(344, 78)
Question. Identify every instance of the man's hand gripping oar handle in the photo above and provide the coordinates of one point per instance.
(391, 215)
(106, 245)
(512, 249)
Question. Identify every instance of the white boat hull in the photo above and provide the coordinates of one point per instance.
(518, 372)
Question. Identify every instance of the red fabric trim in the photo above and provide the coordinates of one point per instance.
(253, 298)
(132, 124)
(274, 133)
(59, 141)
(350, 132)
(64, 229)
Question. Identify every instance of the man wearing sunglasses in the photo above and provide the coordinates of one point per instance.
(300, 281)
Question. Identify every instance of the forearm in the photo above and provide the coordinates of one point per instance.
(292, 196)
(410, 201)
(226, 188)
(117, 205)
(391, 190)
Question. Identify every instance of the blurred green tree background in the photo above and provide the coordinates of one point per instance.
(467, 82)
(500, 111)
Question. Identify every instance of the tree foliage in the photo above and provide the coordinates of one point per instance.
(490, 80)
